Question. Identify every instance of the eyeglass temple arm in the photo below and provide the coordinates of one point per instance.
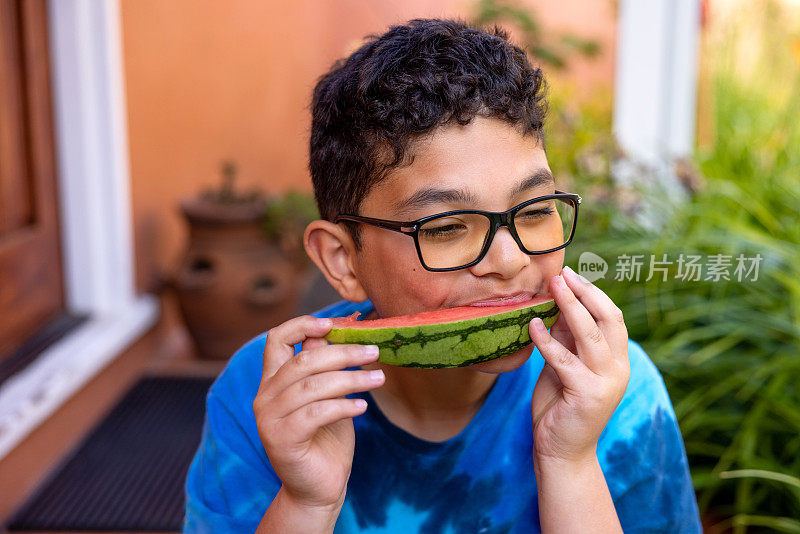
(403, 227)
(574, 195)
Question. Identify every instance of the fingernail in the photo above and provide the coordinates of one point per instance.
(370, 351)
(538, 324)
(361, 403)
(376, 376)
(560, 282)
(324, 322)
(577, 276)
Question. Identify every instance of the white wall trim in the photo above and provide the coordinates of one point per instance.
(655, 94)
(94, 202)
(656, 78)
(92, 143)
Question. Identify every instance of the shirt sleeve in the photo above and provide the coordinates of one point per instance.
(230, 483)
(644, 457)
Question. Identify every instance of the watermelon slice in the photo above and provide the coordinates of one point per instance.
(454, 337)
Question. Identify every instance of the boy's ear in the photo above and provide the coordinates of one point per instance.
(331, 248)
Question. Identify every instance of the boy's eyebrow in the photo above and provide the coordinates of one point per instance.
(539, 177)
(431, 195)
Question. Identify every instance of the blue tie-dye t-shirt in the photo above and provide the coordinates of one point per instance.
(480, 481)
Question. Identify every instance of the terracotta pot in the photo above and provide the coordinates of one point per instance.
(233, 283)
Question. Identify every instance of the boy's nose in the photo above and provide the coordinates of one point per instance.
(504, 257)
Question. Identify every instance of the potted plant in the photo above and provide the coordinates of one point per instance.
(244, 268)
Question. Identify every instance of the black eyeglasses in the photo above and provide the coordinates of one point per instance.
(459, 239)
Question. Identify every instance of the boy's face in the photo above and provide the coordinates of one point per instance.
(484, 162)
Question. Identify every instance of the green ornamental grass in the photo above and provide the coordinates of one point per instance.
(728, 348)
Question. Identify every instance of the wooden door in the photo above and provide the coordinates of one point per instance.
(31, 292)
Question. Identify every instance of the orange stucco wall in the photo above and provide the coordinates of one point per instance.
(209, 80)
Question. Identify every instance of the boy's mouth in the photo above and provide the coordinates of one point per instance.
(503, 300)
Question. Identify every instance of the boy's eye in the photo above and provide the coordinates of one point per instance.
(536, 211)
(446, 229)
(533, 214)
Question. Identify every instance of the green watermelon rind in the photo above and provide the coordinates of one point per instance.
(451, 344)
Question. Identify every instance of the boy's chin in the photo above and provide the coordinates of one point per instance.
(504, 364)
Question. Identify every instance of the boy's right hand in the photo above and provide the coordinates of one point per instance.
(304, 420)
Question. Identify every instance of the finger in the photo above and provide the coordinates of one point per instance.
(305, 422)
(314, 342)
(560, 330)
(319, 360)
(321, 386)
(607, 314)
(590, 342)
(571, 371)
(282, 339)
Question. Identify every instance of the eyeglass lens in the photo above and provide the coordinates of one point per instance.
(456, 240)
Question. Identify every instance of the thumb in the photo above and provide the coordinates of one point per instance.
(561, 332)
(571, 371)
(545, 393)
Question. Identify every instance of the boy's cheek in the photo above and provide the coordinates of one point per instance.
(504, 364)
(396, 282)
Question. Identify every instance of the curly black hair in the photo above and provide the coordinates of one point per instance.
(370, 107)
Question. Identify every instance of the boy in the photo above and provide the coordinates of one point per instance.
(574, 433)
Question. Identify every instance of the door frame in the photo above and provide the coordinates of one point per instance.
(90, 128)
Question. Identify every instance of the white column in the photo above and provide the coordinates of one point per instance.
(655, 86)
(92, 143)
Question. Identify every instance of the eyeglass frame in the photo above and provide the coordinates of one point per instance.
(497, 219)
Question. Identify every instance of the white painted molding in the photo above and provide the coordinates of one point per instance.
(31, 396)
(92, 150)
(656, 81)
(682, 81)
(94, 202)
(655, 95)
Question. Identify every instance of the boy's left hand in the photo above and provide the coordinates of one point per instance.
(585, 374)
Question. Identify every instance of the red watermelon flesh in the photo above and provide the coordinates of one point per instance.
(447, 315)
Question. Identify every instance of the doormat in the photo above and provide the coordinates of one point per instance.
(129, 472)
